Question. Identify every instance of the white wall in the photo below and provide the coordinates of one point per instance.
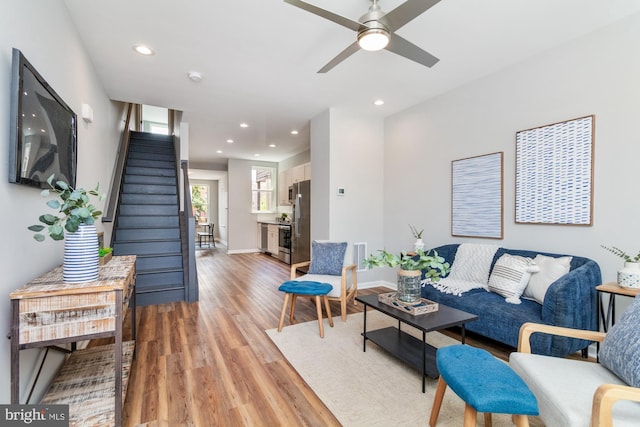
(298, 159)
(347, 152)
(243, 224)
(596, 74)
(43, 31)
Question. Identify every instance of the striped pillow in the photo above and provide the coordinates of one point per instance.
(510, 276)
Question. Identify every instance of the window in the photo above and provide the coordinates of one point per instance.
(200, 202)
(262, 188)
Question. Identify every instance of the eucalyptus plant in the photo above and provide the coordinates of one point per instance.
(73, 209)
(622, 254)
(434, 265)
(417, 234)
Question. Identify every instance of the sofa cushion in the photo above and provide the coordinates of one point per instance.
(496, 319)
(551, 269)
(327, 257)
(620, 351)
(564, 389)
(510, 276)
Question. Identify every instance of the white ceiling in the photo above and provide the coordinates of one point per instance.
(259, 59)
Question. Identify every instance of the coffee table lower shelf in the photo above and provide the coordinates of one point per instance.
(407, 348)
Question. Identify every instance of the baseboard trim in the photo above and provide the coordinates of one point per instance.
(367, 285)
(242, 251)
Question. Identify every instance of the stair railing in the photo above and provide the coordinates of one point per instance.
(118, 171)
(189, 244)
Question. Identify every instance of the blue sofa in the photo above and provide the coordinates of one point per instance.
(570, 302)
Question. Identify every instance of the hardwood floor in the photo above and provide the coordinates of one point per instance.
(211, 364)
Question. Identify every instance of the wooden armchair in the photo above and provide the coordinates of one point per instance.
(573, 392)
(345, 286)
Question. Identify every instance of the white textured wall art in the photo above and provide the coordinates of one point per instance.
(476, 196)
(554, 173)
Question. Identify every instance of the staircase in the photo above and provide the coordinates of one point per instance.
(148, 223)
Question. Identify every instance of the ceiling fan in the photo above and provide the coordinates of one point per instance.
(376, 30)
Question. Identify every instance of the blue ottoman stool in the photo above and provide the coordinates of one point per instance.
(294, 288)
(484, 383)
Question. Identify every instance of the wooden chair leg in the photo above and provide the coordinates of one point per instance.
(521, 420)
(437, 401)
(293, 307)
(487, 419)
(470, 415)
(284, 310)
(328, 308)
(319, 311)
(343, 309)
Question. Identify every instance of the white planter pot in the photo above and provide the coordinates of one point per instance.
(418, 245)
(629, 276)
(81, 255)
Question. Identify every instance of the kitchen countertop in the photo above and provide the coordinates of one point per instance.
(275, 223)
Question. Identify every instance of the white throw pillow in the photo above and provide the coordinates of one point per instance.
(510, 276)
(551, 269)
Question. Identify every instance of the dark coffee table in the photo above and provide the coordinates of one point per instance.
(406, 347)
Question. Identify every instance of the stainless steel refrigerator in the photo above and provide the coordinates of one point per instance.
(300, 199)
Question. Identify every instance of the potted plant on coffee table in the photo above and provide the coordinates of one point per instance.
(74, 219)
(411, 269)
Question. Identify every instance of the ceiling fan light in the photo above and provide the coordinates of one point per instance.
(373, 39)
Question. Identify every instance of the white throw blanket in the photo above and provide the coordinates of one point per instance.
(470, 269)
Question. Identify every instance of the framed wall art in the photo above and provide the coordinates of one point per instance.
(477, 196)
(554, 173)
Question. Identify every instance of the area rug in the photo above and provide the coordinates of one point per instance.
(369, 388)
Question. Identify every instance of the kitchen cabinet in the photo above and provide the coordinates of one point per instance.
(48, 312)
(284, 181)
(297, 174)
(292, 175)
(272, 239)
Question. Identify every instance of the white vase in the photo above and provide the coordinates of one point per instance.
(409, 286)
(629, 276)
(81, 255)
(418, 245)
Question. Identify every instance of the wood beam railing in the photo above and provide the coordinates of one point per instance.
(118, 171)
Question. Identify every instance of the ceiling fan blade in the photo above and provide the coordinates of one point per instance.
(345, 22)
(405, 13)
(405, 48)
(350, 50)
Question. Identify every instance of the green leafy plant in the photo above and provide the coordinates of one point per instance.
(434, 265)
(417, 234)
(622, 254)
(104, 251)
(73, 205)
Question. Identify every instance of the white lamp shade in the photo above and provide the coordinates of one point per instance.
(373, 39)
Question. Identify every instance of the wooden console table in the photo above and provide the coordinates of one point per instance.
(48, 312)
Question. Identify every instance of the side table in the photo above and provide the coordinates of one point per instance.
(607, 320)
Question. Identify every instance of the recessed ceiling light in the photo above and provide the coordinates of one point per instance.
(219, 151)
(244, 125)
(257, 155)
(230, 141)
(294, 132)
(378, 102)
(143, 49)
(272, 145)
(195, 76)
